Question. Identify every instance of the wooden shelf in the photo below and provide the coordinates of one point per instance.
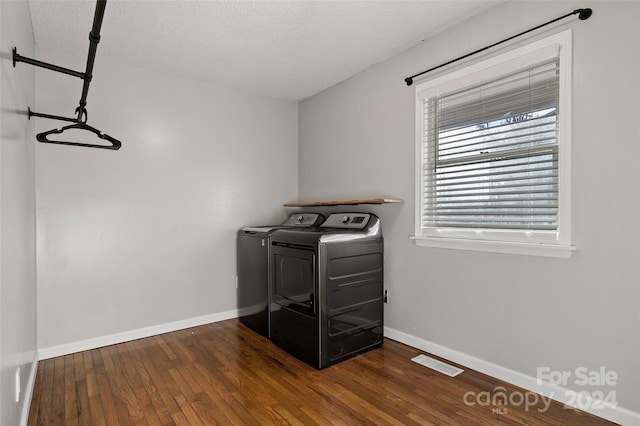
(346, 202)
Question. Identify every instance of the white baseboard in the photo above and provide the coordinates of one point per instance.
(565, 396)
(112, 339)
(28, 394)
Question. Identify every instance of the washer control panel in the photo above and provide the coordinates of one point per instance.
(347, 220)
(304, 219)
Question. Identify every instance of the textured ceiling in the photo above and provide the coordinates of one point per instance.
(284, 49)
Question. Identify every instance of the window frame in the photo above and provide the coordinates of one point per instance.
(555, 243)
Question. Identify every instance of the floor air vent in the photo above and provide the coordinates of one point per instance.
(434, 364)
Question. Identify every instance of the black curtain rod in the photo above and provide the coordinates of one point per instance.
(583, 14)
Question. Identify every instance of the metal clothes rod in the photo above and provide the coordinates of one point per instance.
(20, 58)
(94, 39)
(52, 117)
(583, 14)
(80, 121)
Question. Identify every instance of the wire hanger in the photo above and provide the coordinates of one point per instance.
(80, 121)
(115, 144)
(81, 125)
(42, 137)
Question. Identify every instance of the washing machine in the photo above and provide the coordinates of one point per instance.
(252, 279)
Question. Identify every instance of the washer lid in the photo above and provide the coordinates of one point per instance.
(260, 229)
(295, 220)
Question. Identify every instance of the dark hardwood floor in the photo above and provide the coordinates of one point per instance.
(223, 373)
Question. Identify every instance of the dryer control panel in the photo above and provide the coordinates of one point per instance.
(347, 221)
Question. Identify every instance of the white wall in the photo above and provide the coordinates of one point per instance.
(17, 215)
(357, 140)
(146, 235)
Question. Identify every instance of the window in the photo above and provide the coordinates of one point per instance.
(493, 153)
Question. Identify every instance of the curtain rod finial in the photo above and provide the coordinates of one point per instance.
(584, 14)
(409, 81)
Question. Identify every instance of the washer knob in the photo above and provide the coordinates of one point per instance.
(345, 219)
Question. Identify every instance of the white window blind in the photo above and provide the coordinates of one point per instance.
(490, 153)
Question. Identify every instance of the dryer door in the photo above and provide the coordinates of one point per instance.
(294, 283)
